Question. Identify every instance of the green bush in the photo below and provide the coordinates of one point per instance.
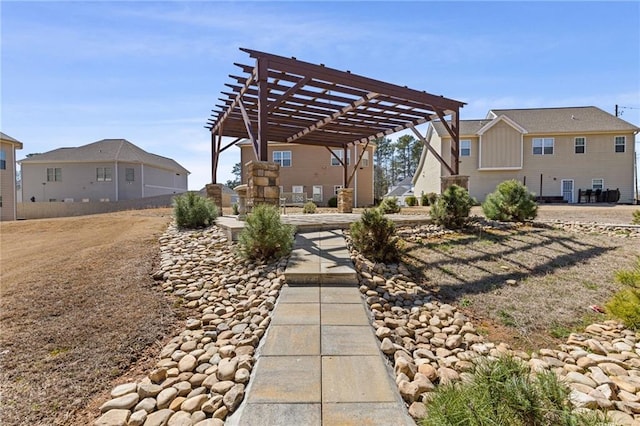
(503, 392)
(235, 209)
(264, 235)
(411, 201)
(194, 211)
(625, 304)
(428, 199)
(452, 208)
(332, 202)
(374, 236)
(389, 206)
(510, 202)
(635, 217)
(309, 207)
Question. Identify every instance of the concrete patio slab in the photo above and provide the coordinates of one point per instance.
(296, 313)
(346, 294)
(348, 340)
(292, 340)
(286, 379)
(343, 314)
(281, 415)
(364, 413)
(356, 379)
(290, 294)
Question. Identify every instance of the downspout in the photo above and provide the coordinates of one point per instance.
(142, 179)
(117, 183)
(355, 185)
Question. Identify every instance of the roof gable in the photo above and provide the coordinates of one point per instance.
(6, 138)
(501, 119)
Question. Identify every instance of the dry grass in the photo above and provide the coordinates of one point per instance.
(558, 274)
(78, 312)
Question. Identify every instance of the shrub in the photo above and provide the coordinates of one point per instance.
(452, 208)
(374, 236)
(264, 235)
(332, 202)
(194, 211)
(635, 217)
(626, 303)
(510, 202)
(503, 392)
(309, 207)
(234, 209)
(389, 206)
(411, 201)
(428, 199)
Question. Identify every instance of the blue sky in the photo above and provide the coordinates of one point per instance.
(77, 72)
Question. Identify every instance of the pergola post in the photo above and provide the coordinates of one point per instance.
(263, 92)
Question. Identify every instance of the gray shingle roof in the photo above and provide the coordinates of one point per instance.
(8, 138)
(106, 150)
(467, 127)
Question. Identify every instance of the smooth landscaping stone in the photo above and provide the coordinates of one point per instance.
(158, 418)
(124, 402)
(115, 417)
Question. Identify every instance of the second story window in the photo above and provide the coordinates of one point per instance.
(620, 142)
(543, 146)
(104, 174)
(54, 174)
(282, 157)
(340, 154)
(465, 148)
(3, 159)
(580, 145)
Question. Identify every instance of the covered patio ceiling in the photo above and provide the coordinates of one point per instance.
(285, 100)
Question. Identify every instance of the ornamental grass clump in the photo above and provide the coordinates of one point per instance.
(428, 199)
(503, 392)
(194, 211)
(625, 304)
(264, 236)
(635, 217)
(389, 206)
(411, 201)
(511, 201)
(309, 207)
(452, 208)
(374, 236)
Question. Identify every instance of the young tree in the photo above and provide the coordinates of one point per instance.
(236, 171)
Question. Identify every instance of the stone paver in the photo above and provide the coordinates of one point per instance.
(286, 379)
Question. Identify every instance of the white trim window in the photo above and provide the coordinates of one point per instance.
(282, 157)
(3, 159)
(339, 153)
(543, 146)
(129, 174)
(465, 148)
(597, 184)
(54, 174)
(580, 145)
(620, 143)
(104, 174)
(336, 188)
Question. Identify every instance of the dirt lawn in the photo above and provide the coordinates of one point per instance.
(78, 310)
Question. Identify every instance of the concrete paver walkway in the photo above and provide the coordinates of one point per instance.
(320, 363)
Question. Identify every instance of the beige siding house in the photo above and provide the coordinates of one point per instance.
(8, 147)
(107, 170)
(555, 152)
(311, 172)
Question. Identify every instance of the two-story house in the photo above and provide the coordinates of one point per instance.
(313, 172)
(107, 170)
(555, 152)
(8, 147)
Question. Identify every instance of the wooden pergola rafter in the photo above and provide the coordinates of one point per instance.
(290, 101)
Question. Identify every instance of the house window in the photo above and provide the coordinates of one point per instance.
(336, 188)
(580, 145)
(340, 154)
(103, 174)
(282, 157)
(0, 200)
(365, 159)
(597, 184)
(465, 148)
(620, 142)
(3, 159)
(129, 174)
(543, 146)
(54, 174)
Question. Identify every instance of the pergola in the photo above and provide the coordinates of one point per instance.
(290, 101)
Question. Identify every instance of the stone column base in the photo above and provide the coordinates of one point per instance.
(263, 183)
(447, 181)
(214, 193)
(345, 200)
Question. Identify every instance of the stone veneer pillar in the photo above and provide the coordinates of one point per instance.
(263, 182)
(214, 193)
(345, 200)
(447, 181)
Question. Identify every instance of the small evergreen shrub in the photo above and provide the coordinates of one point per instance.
(194, 211)
(625, 304)
(389, 206)
(635, 220)
(234, 209)
(452, 208)
(264, 235)
(309, 207)
(510, 202)
(374, 236)
(428, 199)
(503, 392)
(411, 201)
(332, 202)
